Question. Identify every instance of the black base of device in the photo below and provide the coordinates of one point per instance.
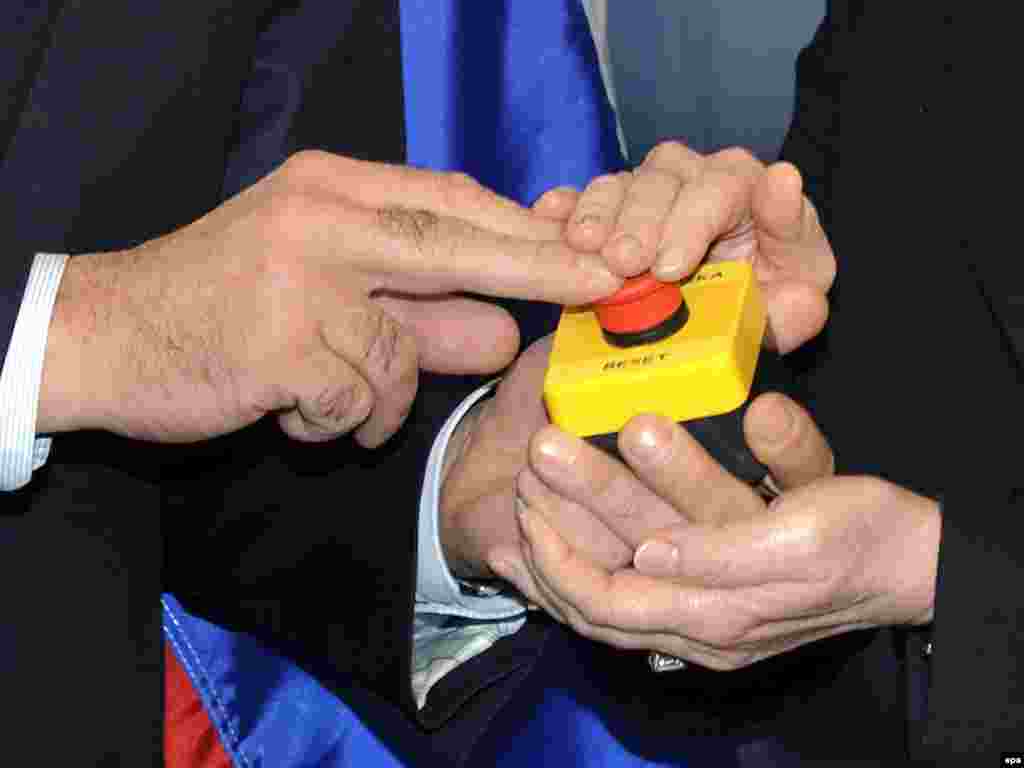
(722, 435)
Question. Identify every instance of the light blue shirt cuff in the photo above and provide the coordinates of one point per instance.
(21, 451)
(437, 591)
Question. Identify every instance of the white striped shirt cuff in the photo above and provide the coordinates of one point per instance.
(437, 592)
(21, 452)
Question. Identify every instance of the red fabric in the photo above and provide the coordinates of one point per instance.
(190, 740)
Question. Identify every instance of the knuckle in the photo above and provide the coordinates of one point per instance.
(720, 195)
(578, 623)
(460, 190)
(291, 212)
(813, 540)
(591, 610)
(702, 471)
(883, 494)
(605, 182)
(715, 662)
(622, 502)
(361, 408)
(415, 226)
(667, 154)
(727, 187)
(737, 156)
(381, 343)
(289, 209)
(730, 662)
(632, 609)
(719, 626)
(344, 403)
(657, 181)
(600, 199)
(723, 637)
(304, 166)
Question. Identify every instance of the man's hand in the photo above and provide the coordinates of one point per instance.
(316, 295)
(733, 580)
(488, 450)
(679, 207)
(477, 519)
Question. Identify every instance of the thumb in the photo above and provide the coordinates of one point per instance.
(455, 334)
(784, 438)
(791, 240)
(778, 203)
(797, 312)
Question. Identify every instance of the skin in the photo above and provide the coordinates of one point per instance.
(666, 551)
(733, 580)
(316, 295)
(679, 208)
(794, 265)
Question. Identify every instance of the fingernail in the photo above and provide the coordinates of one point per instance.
(651, 442)
(625, 248)
(657, 558)
(771, 425)
(556, 454)
(669, 265)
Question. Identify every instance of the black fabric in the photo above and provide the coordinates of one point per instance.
(290, 527)
(976, 691)
(129, 113)
(89, 166)
(918, 376)
(917, 379)
(721, 435)
(24, 40)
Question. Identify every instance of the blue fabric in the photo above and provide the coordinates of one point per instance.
(510, 94)
(268, 712)
(564, 715)
(283, 57)
(570, 712)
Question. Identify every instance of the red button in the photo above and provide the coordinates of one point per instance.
(639, 305)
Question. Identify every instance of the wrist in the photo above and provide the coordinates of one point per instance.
(78, 369)
(460, 440)
(448, 508)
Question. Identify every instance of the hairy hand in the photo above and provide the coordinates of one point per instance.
(315, 295)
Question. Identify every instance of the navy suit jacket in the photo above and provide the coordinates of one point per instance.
(121, 123)
(125, 121)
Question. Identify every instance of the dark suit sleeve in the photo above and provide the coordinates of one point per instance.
(22, 48)
(975, 700)
(967, 696)
(313, 547)
(812, 140)
(14, 269)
